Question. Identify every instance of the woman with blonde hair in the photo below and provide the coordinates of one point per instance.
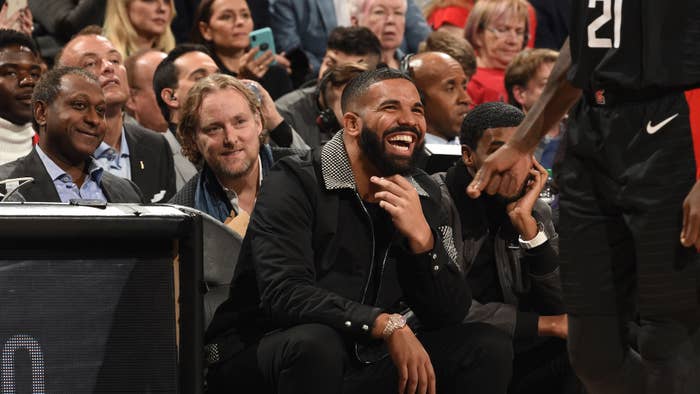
(133, 25)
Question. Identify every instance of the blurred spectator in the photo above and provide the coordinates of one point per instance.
(315, 110)
(172, 80)
(19, 71)
(304, 108)
(387, 20)
(442, 83)
(306, 24)
(498, 30)
(142, 105)
(132, 25)
(448, 15)
(128, 150)
(56, 21)
(186, 10)
(223, 26)
(69, 110)
(457, 47)
(525, 79)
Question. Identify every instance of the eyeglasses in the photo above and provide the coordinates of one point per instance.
(501, 32)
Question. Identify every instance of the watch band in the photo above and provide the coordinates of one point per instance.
(539, 239)
(394, 322)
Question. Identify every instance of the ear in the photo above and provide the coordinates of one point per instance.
(468, 157)
(130, 103)
(204, 30)
(519, 94)
(170, 98)
(354, 21)
(40, 113)
(352, 124)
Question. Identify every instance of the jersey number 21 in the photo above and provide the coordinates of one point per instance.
(594, 41)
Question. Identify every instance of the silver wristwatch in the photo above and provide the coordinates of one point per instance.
(394, 322)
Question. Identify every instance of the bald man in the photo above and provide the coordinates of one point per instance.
(142, 105)
(442, 83)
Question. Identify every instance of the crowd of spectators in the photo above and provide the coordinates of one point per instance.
(157, 101)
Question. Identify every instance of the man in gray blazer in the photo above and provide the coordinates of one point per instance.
(69, 115)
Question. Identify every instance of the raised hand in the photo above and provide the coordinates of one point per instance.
(520, 211)
(252, 68)
(400, 199)
(503, 172)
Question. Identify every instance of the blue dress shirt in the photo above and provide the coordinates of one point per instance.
(66, 188)
(116, 163)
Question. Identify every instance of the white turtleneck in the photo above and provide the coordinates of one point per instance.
(15, 140)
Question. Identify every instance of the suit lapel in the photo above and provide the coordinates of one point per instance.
(42, 189)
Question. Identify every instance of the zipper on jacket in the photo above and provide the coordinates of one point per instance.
(371, 229)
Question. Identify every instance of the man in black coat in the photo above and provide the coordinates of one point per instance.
(344, 245)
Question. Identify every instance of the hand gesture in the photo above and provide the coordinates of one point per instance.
(690, 234)
(416, 374)
(503, 172)
(252, 68)
(284, 62)
(271, 117)
(400, 199)
(520, 211)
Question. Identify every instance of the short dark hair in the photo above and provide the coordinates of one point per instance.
(166, 74)
(488, 116)
(359, 85)
(49, 85)
(354, 40)
(10, 37)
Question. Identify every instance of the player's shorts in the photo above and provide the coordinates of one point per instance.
(626, 171)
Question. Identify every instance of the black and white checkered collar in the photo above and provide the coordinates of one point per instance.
(337, 172)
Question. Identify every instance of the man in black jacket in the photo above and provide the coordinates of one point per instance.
(509, 251)
(341, 244)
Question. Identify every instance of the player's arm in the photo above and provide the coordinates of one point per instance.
(506, 169)
(556, 99)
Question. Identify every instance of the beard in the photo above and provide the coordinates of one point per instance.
(228, 171)
(387, 164)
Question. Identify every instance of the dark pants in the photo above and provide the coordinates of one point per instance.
(313, 358)
(621, 195)
(541, 366)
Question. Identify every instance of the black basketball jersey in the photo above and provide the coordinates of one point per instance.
(635, 45)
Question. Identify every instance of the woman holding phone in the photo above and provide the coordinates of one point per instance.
(225, 26)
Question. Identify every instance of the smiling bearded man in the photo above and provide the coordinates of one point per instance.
(338, 248)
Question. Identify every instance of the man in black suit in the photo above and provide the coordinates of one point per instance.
(69, 115)
(129, 151)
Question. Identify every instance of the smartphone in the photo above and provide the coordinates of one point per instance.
(15, 5)
(262, 38)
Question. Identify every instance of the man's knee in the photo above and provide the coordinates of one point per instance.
(493, 346)
(301, 346)
(314, 343)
